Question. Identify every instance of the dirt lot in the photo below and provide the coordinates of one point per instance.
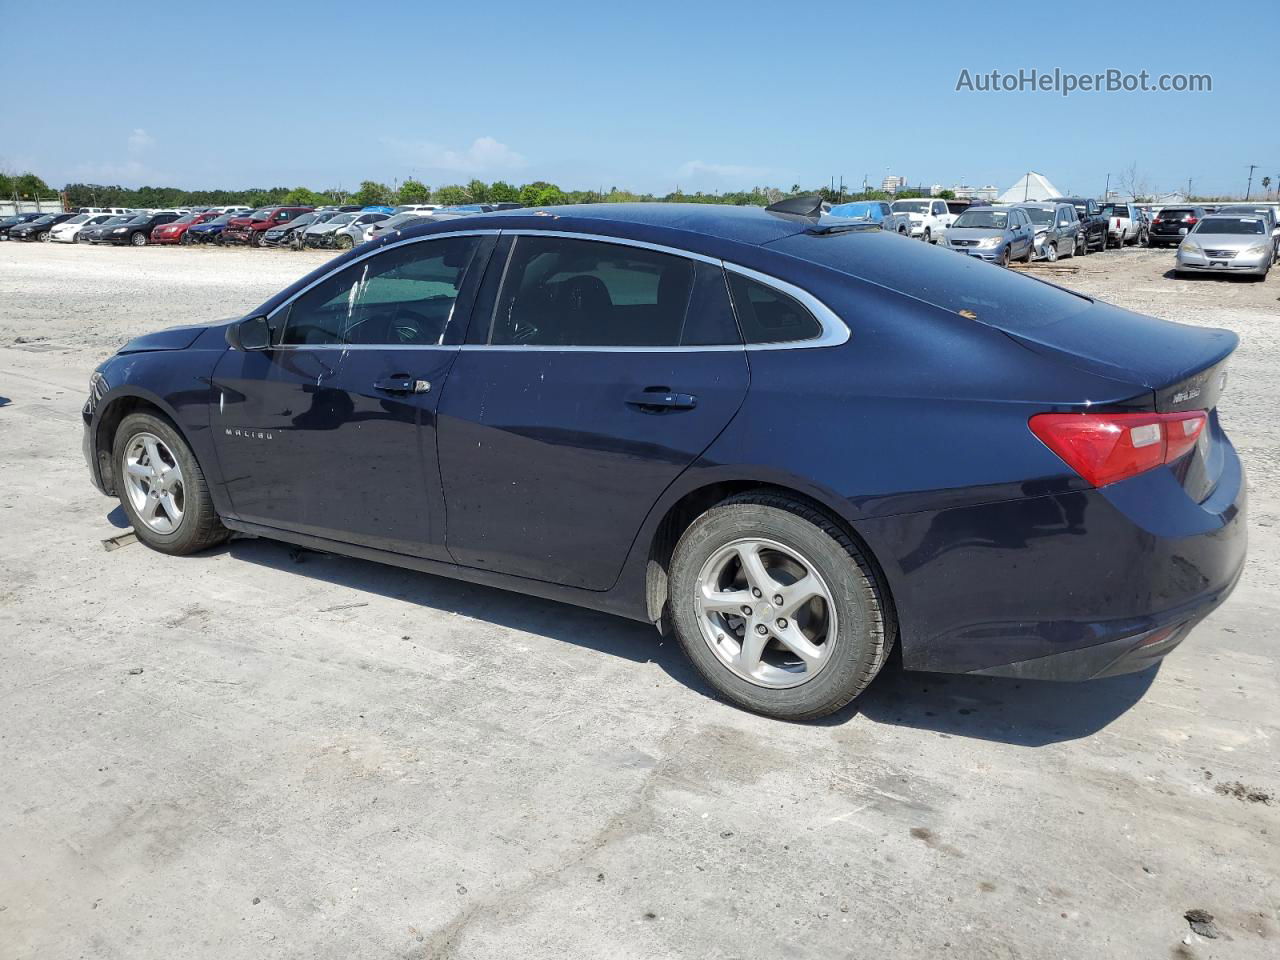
(258, 754)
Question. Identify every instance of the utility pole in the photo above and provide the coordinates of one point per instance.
(1249, 188)
(1107, 191)
(1188, 188)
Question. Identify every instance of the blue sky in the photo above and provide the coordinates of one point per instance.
(713, 95)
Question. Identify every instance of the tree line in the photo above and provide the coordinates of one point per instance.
(539, 193)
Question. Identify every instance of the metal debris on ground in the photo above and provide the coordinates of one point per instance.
(344, 606)
(1201, 922)
(119, 540)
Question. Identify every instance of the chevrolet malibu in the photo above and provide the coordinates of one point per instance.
(791, 441)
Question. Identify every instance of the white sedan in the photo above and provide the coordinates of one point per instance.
(69, 230)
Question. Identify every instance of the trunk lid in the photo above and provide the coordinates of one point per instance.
(1172, 367)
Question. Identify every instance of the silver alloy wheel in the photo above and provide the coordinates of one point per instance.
(139, 239)
(765, 612)
(1051, 252)
(153, 482)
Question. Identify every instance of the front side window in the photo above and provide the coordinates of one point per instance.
(403, 296)
(566, 292)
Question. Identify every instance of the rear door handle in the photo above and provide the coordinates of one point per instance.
(402, 383)
(657, 400)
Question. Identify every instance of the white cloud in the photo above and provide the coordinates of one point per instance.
(140, 141)
(485, 155)
(740, 175)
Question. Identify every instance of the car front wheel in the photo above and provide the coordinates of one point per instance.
(777, 607)
(1051, 252)
(138, 239)
(162, 488)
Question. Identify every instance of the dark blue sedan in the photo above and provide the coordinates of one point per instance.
(791, 441)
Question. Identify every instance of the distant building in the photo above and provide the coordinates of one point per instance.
(936, 189)
(893, 184)
(965, 192)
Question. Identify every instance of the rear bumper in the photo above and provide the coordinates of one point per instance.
(1066, 586)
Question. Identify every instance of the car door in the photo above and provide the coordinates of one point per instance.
(595, 372)
(331, 431)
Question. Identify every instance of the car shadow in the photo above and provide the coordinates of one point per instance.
(1025, 713)
(4, 401)
(564, 622)
(1019, 712)
(1172, 274)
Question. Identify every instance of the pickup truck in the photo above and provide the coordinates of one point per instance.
(929, 217)
(250, 228)
(875, 210)
(1093, 223)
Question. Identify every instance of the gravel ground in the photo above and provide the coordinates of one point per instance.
(260, 754)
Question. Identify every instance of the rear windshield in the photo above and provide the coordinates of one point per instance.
(1241, 225)
(1002, 297)
(990, 219)
(1175, 214)
(910, 206)
(957, 207)
(1115, 210)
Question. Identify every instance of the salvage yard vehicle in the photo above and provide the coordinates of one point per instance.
(176, 232)
(791, 441)
(210, 231)
(93, 232)
(17, 220)
(875, 210)
(1093, 225)
(343, 232)
(69, 230)
(38, 229)
(283, 233)
(929, 218)
(134, 231)
(998, 234)
(400, 221)
(250, 227)
(1171, 224)
(1269, 212)
(1124, 224)
(1229, 244)
(1057, 229)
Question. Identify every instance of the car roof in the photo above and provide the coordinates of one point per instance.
(741, 224)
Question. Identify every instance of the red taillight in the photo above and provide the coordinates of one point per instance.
(1192, 219)
(1155, 220)
(1117, 223)
(1106, 447)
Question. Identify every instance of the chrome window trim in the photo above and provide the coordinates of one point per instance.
(834, 330)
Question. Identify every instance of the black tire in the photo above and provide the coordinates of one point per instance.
(927, 236)
(1031, 251)
(345, 243)
(43, 237)
(1003, 259)
(138, 238)
(866, 628)
(199, 527)
(1081, 247)
(1051, 252)
(1102, 247)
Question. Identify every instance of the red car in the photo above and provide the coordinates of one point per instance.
(250, 228)
(174, 232)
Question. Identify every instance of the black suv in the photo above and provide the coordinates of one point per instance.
(1093, 225)
(1171, 224)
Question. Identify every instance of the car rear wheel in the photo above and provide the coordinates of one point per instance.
(1031, 252)
(777, 607)
(138, 239)
(161, 487)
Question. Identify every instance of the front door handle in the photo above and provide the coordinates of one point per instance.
(655, 401)
(402, 383)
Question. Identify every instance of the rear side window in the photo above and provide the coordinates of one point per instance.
(402, 296)
(766, 315)
(563, 292)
